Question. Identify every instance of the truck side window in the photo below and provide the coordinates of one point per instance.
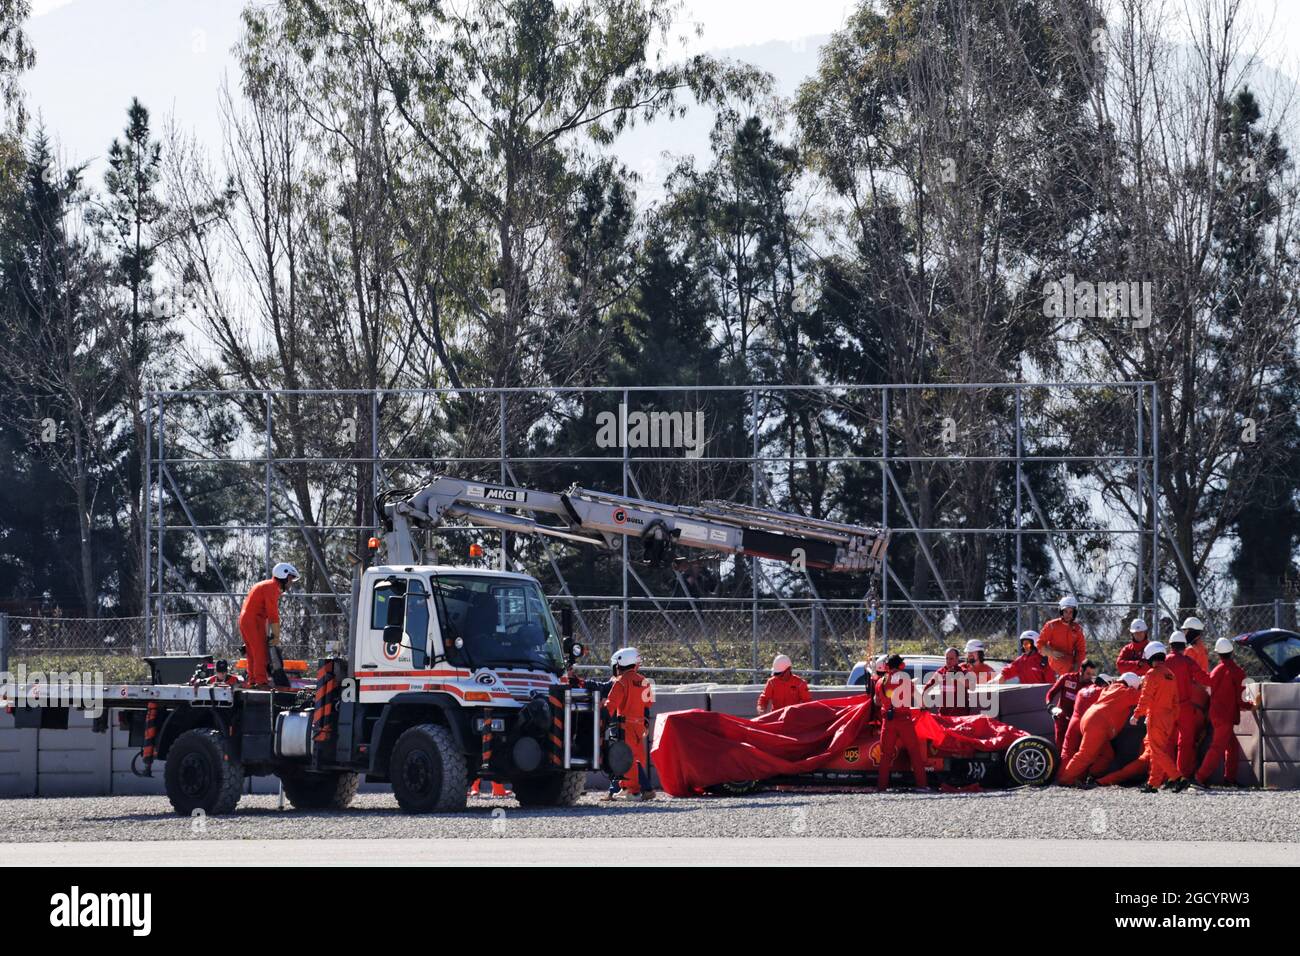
(417, 623)
(379, 609)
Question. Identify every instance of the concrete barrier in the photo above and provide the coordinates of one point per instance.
(1279, 696)
(737, 701)
(17, 759)
(76, 762)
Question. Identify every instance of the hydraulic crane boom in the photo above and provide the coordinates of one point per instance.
(602, 520)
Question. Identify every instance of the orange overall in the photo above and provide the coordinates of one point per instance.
(1158, 703)
(1063, 644)
(1101, 723)
(1191, 718)
(630, 698)
(1227, 681)
(782, 690)
(261, 609)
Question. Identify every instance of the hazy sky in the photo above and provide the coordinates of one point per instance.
(94, 55)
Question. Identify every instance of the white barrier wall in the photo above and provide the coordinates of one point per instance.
(1279, 738)
(17, 759)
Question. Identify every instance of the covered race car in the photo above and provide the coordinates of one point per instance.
(837, 741)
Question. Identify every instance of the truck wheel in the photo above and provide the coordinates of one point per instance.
(1030, 761)
(320, 791)
(201, 774)
(427, 770)
(551, 790)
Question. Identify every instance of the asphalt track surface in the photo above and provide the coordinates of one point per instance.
(670, 851)
(1104, 826)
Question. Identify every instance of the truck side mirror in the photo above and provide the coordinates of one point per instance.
(396, 612)
(566, 621)
(393, 634)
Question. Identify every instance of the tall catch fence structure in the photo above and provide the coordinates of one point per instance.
(998, 498)
(824, 639)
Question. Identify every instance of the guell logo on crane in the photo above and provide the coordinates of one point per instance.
(651, 430)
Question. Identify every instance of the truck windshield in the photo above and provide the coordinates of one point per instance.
(502, 622)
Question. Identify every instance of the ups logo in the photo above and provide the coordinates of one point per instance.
(851, 755)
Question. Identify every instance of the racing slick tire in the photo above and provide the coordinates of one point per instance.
(739, 788)
(551, 790)
(201, 774)
(320, 791)
(1030, 761)
(428, 772)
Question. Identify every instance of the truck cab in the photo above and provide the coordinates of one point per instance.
(424, 620)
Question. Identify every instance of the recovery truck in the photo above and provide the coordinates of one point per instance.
(450, 672)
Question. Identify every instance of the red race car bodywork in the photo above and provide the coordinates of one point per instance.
(835, 741)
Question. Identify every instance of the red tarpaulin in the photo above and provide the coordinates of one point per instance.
(699, 748)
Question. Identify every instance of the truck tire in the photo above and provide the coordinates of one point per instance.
(320, 791)
(551, 790)
(428, 772)
(201, 774)
(1030, 761)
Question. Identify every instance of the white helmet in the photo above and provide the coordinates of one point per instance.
(1133, 680)
(1178, 637)
(625, 657)
(974, 645)
(1068, 601)
(1028, 636)
(1152, 649)
(1193, 624)
(1137, 625)
(781, 663)
(284, 570)
(1223, 646)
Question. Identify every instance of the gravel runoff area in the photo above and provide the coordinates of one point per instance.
(1109, 813)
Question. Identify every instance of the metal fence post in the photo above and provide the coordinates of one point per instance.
(613, 628)
(816, 637)
(1277, 612)
(203, 632)
(883, 606)
(4, 642)
(1020, 558)
(753, 562)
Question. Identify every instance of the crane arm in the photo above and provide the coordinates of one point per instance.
(602, 520)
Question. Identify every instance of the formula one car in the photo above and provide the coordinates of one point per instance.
(836, 742)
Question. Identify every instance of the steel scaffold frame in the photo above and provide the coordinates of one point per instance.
(1145, 460)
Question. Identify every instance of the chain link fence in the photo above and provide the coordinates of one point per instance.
(679, 643)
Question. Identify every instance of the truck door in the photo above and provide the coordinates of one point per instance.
(396, 602)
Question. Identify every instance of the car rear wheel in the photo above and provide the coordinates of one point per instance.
(1030, 761)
